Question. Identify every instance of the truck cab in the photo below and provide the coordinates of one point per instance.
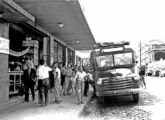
(113, 66)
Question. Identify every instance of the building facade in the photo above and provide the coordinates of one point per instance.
(21, 39)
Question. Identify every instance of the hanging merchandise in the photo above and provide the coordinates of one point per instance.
(18, 54)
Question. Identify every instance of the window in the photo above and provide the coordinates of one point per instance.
(105, 61)
(123, 59)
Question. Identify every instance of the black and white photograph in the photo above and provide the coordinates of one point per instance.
(82, 60)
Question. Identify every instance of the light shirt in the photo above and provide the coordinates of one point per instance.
(69, 72)
(57, 70)
(43, 72)
(90, 76)
(80, 75)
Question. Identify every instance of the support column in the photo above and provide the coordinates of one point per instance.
(4, 51)
(66, 55)
(73, 58)
(51, 50)
(45, 49)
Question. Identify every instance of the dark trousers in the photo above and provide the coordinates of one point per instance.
(62, 80)
(51, 79)
(43, 88)
(27, 87)
(86, 88)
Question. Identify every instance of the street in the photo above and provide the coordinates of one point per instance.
(151, 106)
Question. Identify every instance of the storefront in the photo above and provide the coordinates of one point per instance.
(59, 53)
(71, 57)
(26, 44)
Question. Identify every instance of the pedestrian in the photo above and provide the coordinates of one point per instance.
(63, 70)
(68, 75)
(51, 78)
(92, 83)
(29, 81)
(57, 83)
(142, 76)
(43, 82)
(80, 78)
(86, 85)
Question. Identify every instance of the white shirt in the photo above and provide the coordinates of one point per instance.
(80, 75)
(57, 70)
(90, 76)
(43, 72)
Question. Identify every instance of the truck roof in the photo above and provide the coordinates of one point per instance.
(102, 45)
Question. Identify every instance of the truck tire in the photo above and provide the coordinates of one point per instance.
(100, 100)
(135, 98)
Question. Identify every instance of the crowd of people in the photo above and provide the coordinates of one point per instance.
(59, 79)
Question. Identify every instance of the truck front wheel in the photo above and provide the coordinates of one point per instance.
(100, 100)
(135, 98)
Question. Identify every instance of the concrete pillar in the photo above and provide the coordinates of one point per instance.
(45, 49)
(66, 56)
(51, 50)
(4, 51)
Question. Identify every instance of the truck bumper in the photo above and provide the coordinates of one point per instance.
(119, 92)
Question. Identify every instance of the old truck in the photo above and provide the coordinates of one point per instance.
(113, 66)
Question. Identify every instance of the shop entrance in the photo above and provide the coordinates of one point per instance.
(25, 45)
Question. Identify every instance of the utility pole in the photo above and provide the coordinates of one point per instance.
(140, 54)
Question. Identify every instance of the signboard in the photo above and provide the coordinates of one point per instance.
(158, 47)
(4, 45)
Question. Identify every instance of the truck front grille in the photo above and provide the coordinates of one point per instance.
(117, 84)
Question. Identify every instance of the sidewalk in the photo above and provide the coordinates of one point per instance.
(18, 110)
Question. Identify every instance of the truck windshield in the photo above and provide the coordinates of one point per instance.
(119, 59)
(105, 61)
(123, 59)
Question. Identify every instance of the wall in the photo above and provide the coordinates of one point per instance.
(4, 79)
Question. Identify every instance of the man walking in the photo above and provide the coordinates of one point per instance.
(67, 79)
(29, 81)
(43, 82)
(80, 78)
(57, 85)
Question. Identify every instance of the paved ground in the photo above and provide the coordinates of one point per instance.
(150, 107)
(68, 109)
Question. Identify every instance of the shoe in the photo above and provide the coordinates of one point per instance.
(25, 101)
(82, 102)
(78, 103)
(58, 102)
(42, 105)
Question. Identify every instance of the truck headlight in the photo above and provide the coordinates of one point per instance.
(100, 80)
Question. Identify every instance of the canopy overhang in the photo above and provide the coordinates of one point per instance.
(62, 18)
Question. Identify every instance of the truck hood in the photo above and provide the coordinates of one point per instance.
(120, 72)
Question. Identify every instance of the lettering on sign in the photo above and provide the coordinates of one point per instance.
(4, 45)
